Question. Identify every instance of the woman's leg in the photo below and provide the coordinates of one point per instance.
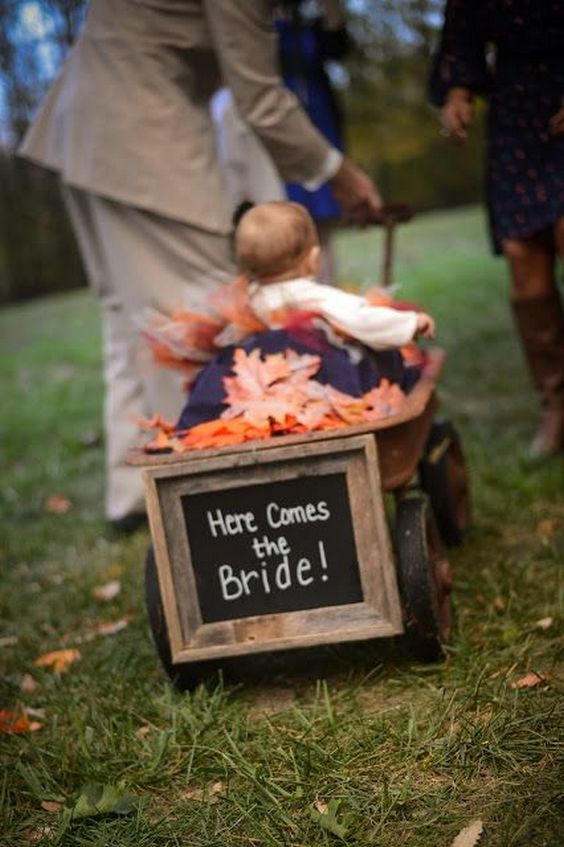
(539, 318)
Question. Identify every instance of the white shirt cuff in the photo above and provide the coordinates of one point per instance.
(329, 168)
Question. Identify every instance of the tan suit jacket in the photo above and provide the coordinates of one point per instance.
(128, 118)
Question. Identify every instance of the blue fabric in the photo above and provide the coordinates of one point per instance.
(206, 400)
(302, 54)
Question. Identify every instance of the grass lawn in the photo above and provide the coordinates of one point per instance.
(363, 747)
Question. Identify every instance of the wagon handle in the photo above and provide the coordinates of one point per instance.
(389, 216)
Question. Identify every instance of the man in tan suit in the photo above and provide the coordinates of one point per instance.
(127, 126)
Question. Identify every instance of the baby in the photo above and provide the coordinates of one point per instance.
(277, 248)
(276, 245)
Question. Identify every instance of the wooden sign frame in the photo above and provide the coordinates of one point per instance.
(192, 639)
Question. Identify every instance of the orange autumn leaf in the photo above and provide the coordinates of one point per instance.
(531, 680)
(112, 627)
(17, 723)
(223, 433)
(156, 422)
(51, 806)
(167, 359)
(413, 355)
(254, 375)
(57, 504)
(58, 660)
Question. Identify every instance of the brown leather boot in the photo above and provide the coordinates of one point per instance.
(540, 322)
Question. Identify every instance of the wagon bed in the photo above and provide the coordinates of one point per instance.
(400, 438)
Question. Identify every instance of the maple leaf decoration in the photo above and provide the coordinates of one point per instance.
(276, 394)
(17, 723)
(58, 660)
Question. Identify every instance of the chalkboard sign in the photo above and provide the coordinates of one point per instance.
(271, 548)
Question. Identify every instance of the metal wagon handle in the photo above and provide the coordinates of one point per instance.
(389, 216)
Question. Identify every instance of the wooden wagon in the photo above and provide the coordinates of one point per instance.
(304, 540)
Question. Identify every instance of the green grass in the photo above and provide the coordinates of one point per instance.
(409, 754)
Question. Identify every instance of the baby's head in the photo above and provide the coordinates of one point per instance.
(277, 241)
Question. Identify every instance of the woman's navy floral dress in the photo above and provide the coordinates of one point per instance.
(525, 87)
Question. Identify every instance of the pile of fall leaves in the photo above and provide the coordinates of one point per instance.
(274, 395)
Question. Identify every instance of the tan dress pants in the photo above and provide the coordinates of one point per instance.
(134, 259)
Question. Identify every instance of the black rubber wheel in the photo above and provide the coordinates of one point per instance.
(424, 578)
(445, 479)
(184, 676)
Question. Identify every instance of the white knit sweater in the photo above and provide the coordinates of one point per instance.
(377, 327)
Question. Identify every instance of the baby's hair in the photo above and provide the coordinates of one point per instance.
(271, 238)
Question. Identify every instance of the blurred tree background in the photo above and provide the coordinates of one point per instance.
(391, 130)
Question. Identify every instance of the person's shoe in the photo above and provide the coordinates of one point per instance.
(128, 524)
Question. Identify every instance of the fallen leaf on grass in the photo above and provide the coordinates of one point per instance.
(57, 504)
(499, 604)
(112, 627)
(530, 680)
(17, 723)
(102, 628)
(34, 713)
(143, 731)
(51, 806)
(38, 835)
(547, 529)
(28, 684)
(470, 835)
(209, 792)
(58, 660)
(103, 800)
(105, 593)
(544, 623)
(325, 814)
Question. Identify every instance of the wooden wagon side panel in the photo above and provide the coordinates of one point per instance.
(199, 626)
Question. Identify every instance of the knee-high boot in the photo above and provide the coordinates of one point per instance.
(540, 322)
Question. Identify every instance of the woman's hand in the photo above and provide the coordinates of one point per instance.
(458, 113)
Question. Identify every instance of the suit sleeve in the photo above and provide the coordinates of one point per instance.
(246, 44)
(461, 58)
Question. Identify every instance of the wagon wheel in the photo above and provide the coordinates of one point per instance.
(424, 577)
(184, 676)
(445, 479)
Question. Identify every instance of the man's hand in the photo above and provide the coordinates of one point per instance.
(458, 113)
(355, 193)
(425, 325)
